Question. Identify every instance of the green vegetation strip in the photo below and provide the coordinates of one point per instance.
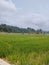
(25, 49)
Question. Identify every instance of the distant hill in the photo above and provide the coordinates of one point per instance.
(15, 29)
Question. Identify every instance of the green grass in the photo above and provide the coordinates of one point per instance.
(25, 49)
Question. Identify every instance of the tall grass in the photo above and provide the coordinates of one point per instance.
(25, 49)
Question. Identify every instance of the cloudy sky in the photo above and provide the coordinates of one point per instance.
(25, 13)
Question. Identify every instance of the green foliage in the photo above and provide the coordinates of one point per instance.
(14, 29)
(25, 49)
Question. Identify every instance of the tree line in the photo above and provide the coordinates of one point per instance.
(15, 29)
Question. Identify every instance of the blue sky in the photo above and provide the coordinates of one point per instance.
(25, 13)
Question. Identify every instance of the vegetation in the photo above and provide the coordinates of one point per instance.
(25, 49)
(13, 29)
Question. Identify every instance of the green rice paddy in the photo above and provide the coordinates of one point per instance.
(25, 49)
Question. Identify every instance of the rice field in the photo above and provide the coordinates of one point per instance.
(25, 49)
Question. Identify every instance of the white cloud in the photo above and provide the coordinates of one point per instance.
(33, 20)
(7, 4)
(9, 14)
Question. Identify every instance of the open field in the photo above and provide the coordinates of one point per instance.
(25, 49)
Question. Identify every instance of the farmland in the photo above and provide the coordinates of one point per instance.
(25, 49)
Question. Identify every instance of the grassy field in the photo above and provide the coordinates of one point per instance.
(25, 49)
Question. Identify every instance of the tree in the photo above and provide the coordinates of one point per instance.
(39, 31)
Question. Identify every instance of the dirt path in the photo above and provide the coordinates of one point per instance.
(2, 62)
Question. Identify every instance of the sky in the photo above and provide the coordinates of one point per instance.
(25, 13)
